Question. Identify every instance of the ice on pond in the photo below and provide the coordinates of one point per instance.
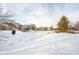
(40, 42)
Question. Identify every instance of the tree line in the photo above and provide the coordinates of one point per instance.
(7, 23)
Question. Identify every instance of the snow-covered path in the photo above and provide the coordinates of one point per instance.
(38, 43)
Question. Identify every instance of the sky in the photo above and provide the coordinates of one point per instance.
(42, 14)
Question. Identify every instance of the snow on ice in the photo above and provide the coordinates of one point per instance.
(38, 43)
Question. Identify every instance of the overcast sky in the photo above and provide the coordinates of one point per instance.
(42, 14)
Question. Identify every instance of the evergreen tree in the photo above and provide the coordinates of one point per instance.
(63, 24)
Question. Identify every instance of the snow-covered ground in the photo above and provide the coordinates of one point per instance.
(38, 43)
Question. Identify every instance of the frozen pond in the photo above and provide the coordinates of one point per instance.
(38, 43)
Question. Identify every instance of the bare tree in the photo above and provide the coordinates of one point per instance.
(76, 26)
(6, 18)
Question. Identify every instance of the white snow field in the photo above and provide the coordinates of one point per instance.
(38, 43)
